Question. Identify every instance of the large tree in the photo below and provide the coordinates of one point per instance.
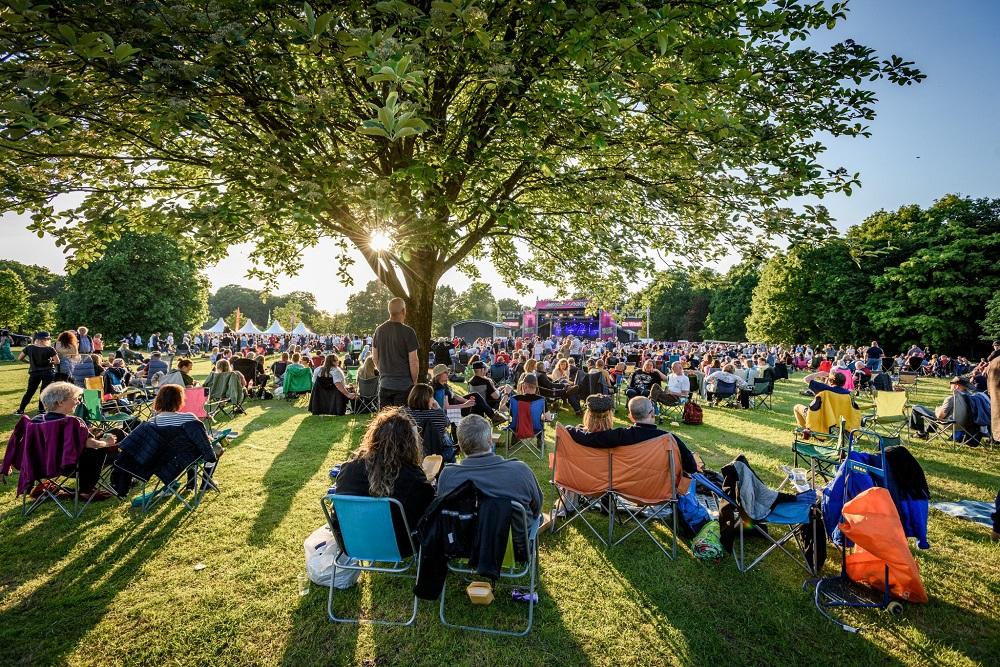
(563, 141)
(729, 306)
(13, 299)
(367, 309)
(932, 270)
(141, 284)
(812, 293)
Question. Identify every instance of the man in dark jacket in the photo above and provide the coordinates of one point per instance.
(640, 412)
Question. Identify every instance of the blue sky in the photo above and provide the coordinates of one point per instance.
(935, 138)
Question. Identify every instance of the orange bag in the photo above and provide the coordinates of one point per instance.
(872, 523)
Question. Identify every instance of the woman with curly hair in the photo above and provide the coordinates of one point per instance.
(387, 465)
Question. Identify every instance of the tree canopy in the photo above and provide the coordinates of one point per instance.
(13, 299)
(534, 134)
(142, 284)
(43, 288)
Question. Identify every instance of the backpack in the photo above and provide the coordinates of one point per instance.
(693, 413)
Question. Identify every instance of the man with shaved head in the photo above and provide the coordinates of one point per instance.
(394, 350)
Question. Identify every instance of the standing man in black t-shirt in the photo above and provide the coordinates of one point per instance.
(42, 361)
(394, 350)
(873, 357)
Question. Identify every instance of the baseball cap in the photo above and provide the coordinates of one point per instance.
(42, 335)
(961, 381)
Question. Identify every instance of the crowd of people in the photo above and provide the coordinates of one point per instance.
(581, 373)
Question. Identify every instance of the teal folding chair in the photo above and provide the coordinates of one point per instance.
(793, 516)
(510, 571)
(364, 528)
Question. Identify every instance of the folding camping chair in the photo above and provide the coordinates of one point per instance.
(641, 480)
(191, 466)
(523, 432)
(907, 381)
(890, 415)
(823, 452)
(794, 516)
(364, 529)
(726, 393)
(367, 396)
(297, 380)
(509, 571)
(196, 402)
(32, 447)
(761, 394)
(95, 382)
(671, 411)
(91, 410)
(617, 389)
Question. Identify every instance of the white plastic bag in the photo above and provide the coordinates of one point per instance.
(321, 550)
(278, 392)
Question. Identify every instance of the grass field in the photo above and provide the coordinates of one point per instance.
(109, 589)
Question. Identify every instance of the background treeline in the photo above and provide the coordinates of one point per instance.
(914, 275)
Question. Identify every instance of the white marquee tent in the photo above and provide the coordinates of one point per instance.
(275, 328)
(218, 327)
(249, 328)
(301, 330)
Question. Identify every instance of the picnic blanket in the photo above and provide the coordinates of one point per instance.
(973, 510)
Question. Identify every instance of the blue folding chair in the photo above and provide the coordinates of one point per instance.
(793, 515)
(364, 528)
(509, 571)
(533, 441)
(726, 394)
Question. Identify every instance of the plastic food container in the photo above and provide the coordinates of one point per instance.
(480, 592)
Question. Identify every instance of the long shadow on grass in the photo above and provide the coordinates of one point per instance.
(46, 625)
(297, 463)
(427, 641)
(712, 614)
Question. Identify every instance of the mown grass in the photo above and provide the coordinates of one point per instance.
(109, 589)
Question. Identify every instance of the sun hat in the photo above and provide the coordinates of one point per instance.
(440, 368)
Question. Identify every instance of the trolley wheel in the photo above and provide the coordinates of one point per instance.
(895, 608)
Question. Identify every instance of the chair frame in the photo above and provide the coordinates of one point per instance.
(762, 399)
(511, 573)
(825, 468)
(892, 428)
(165, 490)
(370, 403)
(775, 544)
(400, 568)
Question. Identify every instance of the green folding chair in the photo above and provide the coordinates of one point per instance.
(91, 410)
(823, 452)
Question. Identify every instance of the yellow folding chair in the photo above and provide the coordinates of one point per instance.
(891, 413)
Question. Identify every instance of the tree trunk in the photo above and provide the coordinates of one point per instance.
(419, 312)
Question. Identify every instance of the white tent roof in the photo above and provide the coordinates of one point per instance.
(249, 328)
(275, 328)
(301, 330)
(218, 327)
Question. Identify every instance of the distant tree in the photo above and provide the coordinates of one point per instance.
(678, 303)
(813, 292)
(141, 283)
(288, 314)
(13, 299)
(449, 307)
(480, 302)
(228, 298)
(41, 316)
(935, 289)
(509, 305)
(991, 323)
(729, 305)
(367, 309)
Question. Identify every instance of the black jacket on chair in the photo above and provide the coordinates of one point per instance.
(164, 451)
(465, 524)
(326, 399)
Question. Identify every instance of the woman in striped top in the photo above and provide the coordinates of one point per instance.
(167, 407)
(431, 421)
